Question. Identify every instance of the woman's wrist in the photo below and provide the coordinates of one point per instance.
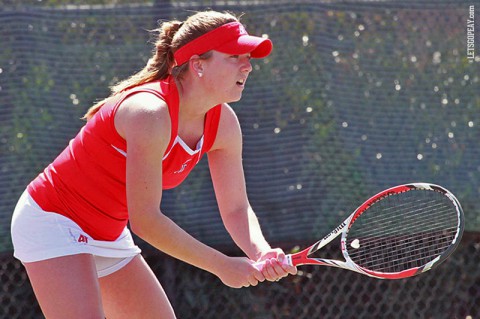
(216, 262)
(262, 251)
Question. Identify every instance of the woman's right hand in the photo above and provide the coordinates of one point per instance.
(238, 272)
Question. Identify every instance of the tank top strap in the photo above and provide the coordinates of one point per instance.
(167, 91)
(212, 121)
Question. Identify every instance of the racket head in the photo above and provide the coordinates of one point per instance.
(403, 231)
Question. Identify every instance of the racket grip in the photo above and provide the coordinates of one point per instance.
(287, 261)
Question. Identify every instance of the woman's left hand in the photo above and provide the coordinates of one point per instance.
(275, 268)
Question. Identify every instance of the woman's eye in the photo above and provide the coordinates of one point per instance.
(237, 56)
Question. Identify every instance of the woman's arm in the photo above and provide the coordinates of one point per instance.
(225, 161)
(143, 120)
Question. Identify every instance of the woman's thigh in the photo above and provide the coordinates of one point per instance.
(134, 292)
(67, 287)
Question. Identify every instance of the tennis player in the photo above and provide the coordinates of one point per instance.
(70, 226)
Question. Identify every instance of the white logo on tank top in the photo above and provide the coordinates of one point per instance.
(184, 165)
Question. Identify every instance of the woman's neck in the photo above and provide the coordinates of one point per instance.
(194, 101)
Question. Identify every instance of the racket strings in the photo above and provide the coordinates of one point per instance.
(413, 221)
(436, 227)
(396, 258)
(401, 254)
(418, 216)
(403, 231)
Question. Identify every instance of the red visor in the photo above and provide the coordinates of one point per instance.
(230, 38)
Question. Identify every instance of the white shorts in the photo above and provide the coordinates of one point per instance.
(38, 235)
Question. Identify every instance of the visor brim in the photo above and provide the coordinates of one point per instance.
(258, 47)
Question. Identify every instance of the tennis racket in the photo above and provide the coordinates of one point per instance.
(400, 232)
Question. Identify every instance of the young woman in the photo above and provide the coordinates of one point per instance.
(70, 226)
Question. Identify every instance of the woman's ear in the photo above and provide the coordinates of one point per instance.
(196, 65)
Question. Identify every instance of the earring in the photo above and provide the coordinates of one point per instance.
(200, 74)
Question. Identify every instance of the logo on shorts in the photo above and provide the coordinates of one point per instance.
(77, 236)
(82, 239)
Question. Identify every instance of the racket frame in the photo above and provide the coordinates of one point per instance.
(302, 257)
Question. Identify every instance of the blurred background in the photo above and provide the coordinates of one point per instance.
(357, 96)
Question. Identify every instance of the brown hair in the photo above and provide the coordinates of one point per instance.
(172, 35)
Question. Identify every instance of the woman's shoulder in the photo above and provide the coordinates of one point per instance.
(142, 111)
(229, 131)
(228, 114)
(144, 101)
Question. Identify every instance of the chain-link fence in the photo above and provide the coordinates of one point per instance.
(357, 96)
(451, 291)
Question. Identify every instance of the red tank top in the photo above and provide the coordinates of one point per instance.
(86, 182)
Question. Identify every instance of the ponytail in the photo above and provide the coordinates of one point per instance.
(159, 66)
(172, 35)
